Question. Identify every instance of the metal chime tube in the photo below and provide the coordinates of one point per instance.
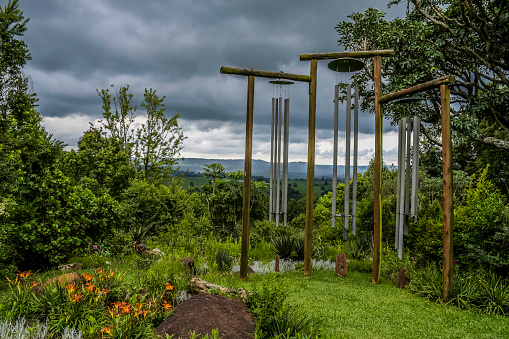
(347, 161)
(271, 182)
(355, 151)
(415, 168)
(285, 160)
(398, 188)
(279, 161)
(274, 193)
(407, 172)
(335, 156)
(402, 189)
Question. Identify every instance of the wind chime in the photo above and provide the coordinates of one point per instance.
(278, 191)
(403, 207)
(346, 65)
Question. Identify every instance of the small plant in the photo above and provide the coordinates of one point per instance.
(283, 245)
(223, 260)
(22, 301)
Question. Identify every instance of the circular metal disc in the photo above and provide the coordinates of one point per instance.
(280, 82)
(408, 100)
(346, 65)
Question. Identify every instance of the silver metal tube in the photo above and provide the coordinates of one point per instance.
(335, 156)
(407, 175)
(402, 188)
(271, 181)
(398, 189)
(274, 194)
(279, 161)
(347, 160)
(415, 168)
(285, 160)
(355, 152)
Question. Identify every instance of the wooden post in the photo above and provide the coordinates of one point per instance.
(308, 232)
(377, 244)
(247, 179)
(448, 207)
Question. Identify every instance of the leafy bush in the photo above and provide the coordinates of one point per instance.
(223, 260)
(57, 220)
(482, 227)
(275, 319)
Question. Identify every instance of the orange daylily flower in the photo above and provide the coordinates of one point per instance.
(100, 271)
(77, 297)
(169, 287)
(87, 277)
(25, 274)
(35, 283)
(107, 329)
(90, 287)
(167, 306)
(71, 288)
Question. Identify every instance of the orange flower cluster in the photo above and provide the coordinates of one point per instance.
(167, 306)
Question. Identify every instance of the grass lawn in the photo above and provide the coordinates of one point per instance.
(356, 308)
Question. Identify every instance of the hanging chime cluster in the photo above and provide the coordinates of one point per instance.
(346, 65)
(405, 152)
(278, 190)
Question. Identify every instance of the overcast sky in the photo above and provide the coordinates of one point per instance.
(177, 48)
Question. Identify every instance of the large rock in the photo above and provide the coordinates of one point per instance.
(62, 280)
(73, 266)
(198, 285)
(341, 268)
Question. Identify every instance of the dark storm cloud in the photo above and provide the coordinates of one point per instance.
(178, 47)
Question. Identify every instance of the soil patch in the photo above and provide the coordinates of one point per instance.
(205, 312)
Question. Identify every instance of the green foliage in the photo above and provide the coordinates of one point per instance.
(224, 206)
(223, 260)
(158, 140)
(283, 245)
(101, 163)
(482, 227)
(56, 220)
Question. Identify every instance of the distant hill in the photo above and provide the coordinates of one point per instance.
(296, 170)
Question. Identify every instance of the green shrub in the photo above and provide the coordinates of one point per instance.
(482, 227)
(275, 319)
(58, 220)
(223, 260)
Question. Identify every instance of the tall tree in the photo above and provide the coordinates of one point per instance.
(214, 171)
(25, 147)
(465, 38)
(118, 123)
(158, 140)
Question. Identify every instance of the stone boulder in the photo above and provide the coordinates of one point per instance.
(198, 285)
(62, 280)
(73, 266)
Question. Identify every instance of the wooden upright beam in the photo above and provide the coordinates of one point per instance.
(448, 283)
(308, 232)
(448, 79)
(244, 255)
(265, 74)
(337, 55)
(377, 244)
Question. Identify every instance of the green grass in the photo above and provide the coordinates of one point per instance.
(353, 306)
